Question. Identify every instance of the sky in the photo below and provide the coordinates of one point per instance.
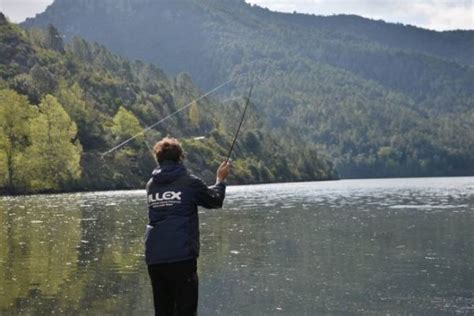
(437, 15)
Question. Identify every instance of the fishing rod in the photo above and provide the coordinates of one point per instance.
(240, 124)
(146, 129)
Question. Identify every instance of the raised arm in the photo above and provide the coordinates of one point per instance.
(213, 196)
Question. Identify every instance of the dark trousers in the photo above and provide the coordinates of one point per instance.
(175, 288)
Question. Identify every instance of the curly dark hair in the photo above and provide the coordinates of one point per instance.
(169, 148)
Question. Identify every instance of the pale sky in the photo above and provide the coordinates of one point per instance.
(432, 14)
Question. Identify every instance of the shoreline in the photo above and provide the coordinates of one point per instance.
(233, 185)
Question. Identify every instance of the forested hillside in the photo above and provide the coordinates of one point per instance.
(381, 99)
(63, 106)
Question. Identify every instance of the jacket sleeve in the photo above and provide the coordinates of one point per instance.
(209, 197)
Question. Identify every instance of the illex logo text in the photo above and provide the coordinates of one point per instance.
(167, 198)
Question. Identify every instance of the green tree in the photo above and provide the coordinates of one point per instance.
(55, 153)
(125, 125)
(53, 39)
(127, 158)
(24, 84)
(15, 112)
(43, 80)
(89, 121)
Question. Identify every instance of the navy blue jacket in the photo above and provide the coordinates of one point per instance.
(173, 196)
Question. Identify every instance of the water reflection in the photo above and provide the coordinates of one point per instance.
(358, 246)
(69, 253)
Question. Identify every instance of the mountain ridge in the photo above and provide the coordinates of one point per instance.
(347, 23)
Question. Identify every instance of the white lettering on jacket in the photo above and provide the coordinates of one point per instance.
(166, 196)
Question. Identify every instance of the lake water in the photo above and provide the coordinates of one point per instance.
(365, 247)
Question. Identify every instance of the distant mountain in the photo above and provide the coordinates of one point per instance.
(457, 46)
(382, 99)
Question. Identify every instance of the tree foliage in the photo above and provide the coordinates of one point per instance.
(125, 125)
(346, 85)
(53, 158)
(84, 100)
(15, 112)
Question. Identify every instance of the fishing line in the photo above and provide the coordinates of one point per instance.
(170, 115)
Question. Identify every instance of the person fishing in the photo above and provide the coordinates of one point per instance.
(172, 234)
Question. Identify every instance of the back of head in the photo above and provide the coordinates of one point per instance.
(168, 149)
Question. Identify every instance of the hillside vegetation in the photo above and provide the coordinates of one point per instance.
(63, 106)
(381, 99)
